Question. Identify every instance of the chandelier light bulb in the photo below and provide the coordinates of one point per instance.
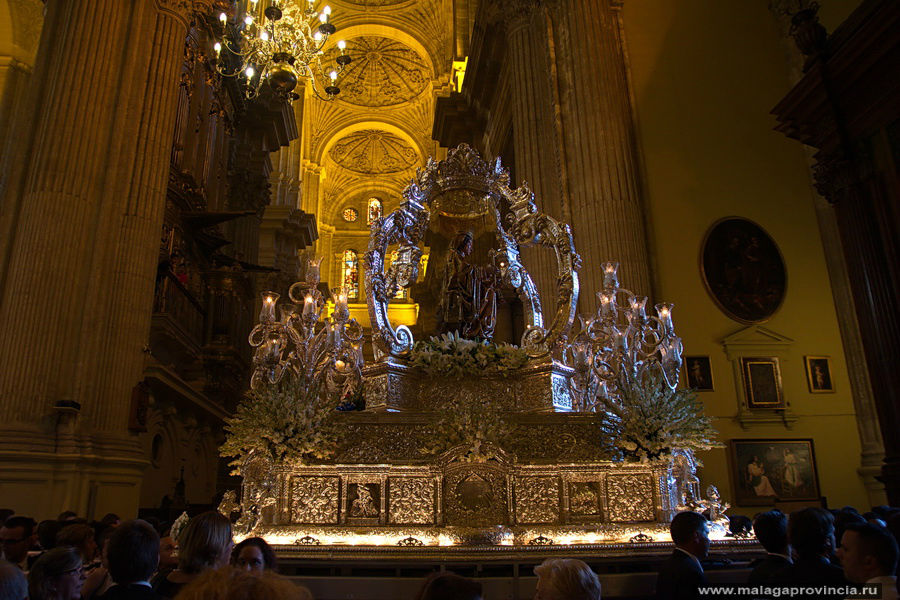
(223, 17)
(342, 45)
(333, 75)
(323, 17)
(264, 35)
(248, 20)
(249, 72)
(327, 10)
(317, 36)
(217, 47)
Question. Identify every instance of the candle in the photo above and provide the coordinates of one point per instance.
(309, 306)
(610, 279)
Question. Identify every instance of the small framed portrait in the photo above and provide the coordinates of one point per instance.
(363, 503)
(698, 373)
(818, 374)
(766, 471)
(762, 382)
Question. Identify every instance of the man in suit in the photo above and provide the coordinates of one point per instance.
(133, 555)
(771, 531)
(811, 535)
(868, 554)
(681, 574)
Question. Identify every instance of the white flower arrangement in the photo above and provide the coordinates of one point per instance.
(286, 422)
(649, 420)
(451, 355)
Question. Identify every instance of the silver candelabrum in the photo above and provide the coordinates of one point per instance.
(621, 340)
(324, 353)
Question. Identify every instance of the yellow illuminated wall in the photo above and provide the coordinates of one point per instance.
(705, 75)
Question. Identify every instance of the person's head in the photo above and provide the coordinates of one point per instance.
(566, 579)
(57, 575)
(168, 555)
(46, 533)
(230, 583)
(132, 552)
(81, 537)
(6, 513)
(253, 555)
(449, 586)
(811, 532)
(205, 543)
(740, 525)
(110, 520)
(867, 551)
(67, 515)
(770, 529)
(690, 532)
(17, 536)
(13, 584)
(844, 517)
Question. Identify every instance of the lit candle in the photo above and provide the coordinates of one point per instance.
(309, 306)
(610, 279)
(342, 45)
(638, 308)
(223, 17)
(339, 364)
(664, 310)
(267, 313)
(217, 47)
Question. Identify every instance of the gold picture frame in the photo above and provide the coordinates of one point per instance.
(768, 470)
(762, 382)
(818, 374)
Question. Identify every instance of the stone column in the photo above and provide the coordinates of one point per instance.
(599, 150)
(78, 287)
(535, 139)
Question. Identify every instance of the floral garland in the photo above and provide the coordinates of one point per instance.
(650, 420)
(453, 356)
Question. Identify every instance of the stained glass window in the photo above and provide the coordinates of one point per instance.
(350, 274)
(374, 210)
(350, 214)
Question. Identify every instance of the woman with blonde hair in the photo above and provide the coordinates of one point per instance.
(566, 579)
(230, 583)
(204, 544)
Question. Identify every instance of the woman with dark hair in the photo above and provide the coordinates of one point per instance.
(56, 575)
(205, 543)
(449, 586)
(254, 555)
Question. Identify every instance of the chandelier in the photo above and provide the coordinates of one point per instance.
(621, 341)
(280, 45)
(323, 353)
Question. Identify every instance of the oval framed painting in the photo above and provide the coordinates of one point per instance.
(743, 270)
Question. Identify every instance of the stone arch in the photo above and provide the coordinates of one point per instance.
(365, 24)
(384, 189)
(362, 122)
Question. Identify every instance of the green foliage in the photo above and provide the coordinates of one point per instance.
(453, 356)
(650, 419)
(287, 422)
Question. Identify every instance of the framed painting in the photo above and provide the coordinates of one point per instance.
(698, 373)
(818, 374)
(766, 471)
(762, 382)
(743, 270)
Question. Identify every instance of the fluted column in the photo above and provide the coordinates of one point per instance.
(535, 139)
(600, 155)
(78, 288)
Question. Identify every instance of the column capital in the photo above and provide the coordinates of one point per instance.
(514, 14)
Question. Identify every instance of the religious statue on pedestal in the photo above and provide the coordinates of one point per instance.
(468, 303)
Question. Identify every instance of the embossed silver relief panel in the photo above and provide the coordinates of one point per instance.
(630, 497)
(314, 500)
(411, 500)
(537, 499)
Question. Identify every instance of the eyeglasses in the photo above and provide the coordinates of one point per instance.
(10, 542)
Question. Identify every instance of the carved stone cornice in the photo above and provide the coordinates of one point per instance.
(514, 14)
(834, 176)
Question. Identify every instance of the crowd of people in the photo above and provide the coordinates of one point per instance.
(69, 558)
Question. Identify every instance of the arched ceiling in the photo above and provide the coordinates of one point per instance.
(384, 72)
(378, 131)
(373, 152)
